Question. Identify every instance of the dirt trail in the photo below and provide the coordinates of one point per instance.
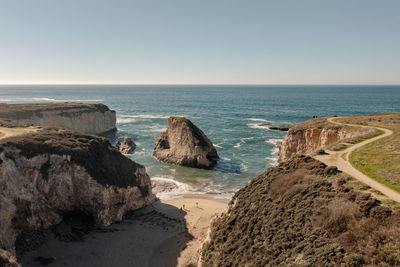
(340, 159)
(7, 132)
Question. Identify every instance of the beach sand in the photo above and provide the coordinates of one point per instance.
(159, 235)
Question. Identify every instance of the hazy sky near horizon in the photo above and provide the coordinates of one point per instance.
(200, 42)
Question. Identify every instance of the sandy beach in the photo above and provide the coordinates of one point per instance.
(167, 233)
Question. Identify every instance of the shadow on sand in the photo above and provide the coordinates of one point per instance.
(152, 236)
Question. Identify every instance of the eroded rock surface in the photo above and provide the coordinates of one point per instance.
(53, 172)
(309, 136)
(185, 144)
(125, 145)
(85, 118)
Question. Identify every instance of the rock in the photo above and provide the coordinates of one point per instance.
(185, 144)
(53, 172)
(8, 260)
(86, 118)
(282, 128)
(126, 145)
(310, 136)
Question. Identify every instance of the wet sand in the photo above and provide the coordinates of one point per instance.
(159, 235)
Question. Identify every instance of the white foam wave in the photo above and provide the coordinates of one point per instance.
(167, 188)
(217, 145)
(17, 99)
(243, 140)
(243, 167)
(226, 159)
(122, 120)
(257, 119)
(273, 141)
(157, 128)
(272, 160)
(237, 145)
(257, 126)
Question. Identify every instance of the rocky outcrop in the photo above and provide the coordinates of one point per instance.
(125, 145)
(53, 172)
(8, 260)
(86, 118)
(309, 136)
(185, 144)
(303, 213)
(283, 128)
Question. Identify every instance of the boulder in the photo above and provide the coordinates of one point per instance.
(125, 145)
(185, 144)
(48, 174)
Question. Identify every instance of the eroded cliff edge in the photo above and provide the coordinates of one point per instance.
(49, 173)
(86, 118)
(303, 213)
(314, 134)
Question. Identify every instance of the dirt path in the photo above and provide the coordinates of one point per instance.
(7, 132)
(340, 159)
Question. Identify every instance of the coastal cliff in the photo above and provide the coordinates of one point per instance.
(183, 143)
(50, 173)
(86, 118)
(309, 136)
(303, 213)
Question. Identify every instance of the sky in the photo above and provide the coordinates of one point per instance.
(200, 42)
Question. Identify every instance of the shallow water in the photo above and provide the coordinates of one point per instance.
(229, 115)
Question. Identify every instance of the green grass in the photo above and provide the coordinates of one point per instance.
(365, 161)
(181, 119)
(338, 147)
(363, 138)
(377, 192)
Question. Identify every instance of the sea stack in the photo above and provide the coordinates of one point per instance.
(125, 145)
(183, 143)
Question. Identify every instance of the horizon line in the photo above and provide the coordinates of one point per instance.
(201, 84)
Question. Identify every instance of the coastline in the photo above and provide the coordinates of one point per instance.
(159, 235)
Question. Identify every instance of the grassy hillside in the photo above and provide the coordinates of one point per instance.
(381, 159)
(302, 213)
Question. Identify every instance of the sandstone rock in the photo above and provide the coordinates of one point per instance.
(309, 136)
(185, 144)
(125, 145)
(50, 173)
(8, 260)
(85, 118)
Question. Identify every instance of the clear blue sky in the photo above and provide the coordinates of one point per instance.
(200, 42)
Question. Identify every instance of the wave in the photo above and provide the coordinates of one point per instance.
(257, 126)
(167, 188)
(272, 160)
(257, 119)
(157, 128)
(125, 120)
(17, 99)
(217, 145)
(237, 145)
(273, 141)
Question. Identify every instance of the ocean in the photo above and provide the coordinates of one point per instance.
(228, 115)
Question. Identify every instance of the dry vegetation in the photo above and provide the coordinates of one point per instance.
(380, 159)
(302, 213)
(103, 162)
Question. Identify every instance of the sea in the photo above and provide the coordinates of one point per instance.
(229, 115)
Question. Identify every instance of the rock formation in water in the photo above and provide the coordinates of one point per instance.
(303, 213)
(53, 172)
(86, 118)
(125, 145)
(7, 259)
(185, 144)
(309, 136)
(283, 128)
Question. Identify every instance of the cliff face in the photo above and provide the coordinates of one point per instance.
(303, 213)
(45, 175)
(86, 118)
(185, 144)
(309, 136)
